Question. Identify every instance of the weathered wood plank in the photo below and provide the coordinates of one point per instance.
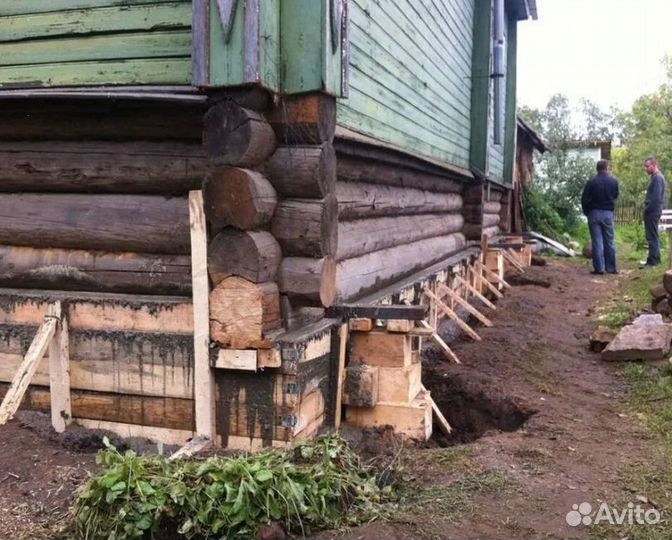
(135, 71)
(106, 19)
(23, 7)
(100, 311)
(173, 43)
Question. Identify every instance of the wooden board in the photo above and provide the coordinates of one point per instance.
(100, 311)
(380, 349)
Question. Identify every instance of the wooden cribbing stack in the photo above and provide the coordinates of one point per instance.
(383, 379)
(52, 335)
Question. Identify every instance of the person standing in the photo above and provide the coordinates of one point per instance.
(653, 209)
(598, 202)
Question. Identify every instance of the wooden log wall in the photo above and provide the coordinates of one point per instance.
(93, 194)
(393, 219)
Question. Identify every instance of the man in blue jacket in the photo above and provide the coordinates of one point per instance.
(598, 202)
(653, 209)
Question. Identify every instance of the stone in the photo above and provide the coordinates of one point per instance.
(640, 342)
(657, 292)
(662, 306)
(588, 251)
(648, 319)
(667, 281)
(600, 338)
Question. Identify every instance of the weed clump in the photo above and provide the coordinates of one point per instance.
(315, 484)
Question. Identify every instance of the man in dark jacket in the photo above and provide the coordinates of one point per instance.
(653, 208)
(598, 202)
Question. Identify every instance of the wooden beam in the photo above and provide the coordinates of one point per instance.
(452, 315)
(241, 359)
(342, 351)
(27, 368)
(486, 281)
(59, 372)
(204, 379)
(436, 338)
(356, 311)
(475, 292)
(438, 415)
(466, 305)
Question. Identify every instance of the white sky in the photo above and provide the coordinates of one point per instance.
(608, 51)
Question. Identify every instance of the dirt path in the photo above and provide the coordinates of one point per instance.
(539, 419)
(534, 363)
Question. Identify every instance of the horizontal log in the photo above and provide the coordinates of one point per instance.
(307, 227)
(242, 313)
(137, 363)
(142, 223)
(364, 200)
(308, 281)
(304, 119)
(360, 275)
(493, 196)
(233, 135)
(491, 231)
(239, 198)
(103, 167)
(354, 169)
(253, 255)
(303, 171)
(490, 220)
(82, 270)
(364, 236)
(492, 207)
(100, 311)
(97, 119)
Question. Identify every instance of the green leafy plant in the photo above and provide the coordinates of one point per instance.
(316, 484)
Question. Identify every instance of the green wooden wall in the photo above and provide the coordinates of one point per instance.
(94, 42)
(410, 75)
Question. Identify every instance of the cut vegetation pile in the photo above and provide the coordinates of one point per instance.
(314, 485)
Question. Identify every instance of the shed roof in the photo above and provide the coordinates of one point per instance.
(537, 141)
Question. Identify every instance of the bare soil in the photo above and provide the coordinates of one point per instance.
(539, 426)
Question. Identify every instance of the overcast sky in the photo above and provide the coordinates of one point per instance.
(606, 50)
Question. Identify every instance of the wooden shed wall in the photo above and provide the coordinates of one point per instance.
(410, 75)
(94, 42)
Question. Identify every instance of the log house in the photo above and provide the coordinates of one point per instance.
(346, 152)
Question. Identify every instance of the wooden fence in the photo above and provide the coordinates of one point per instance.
(629, 213)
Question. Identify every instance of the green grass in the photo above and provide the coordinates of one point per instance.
(650, 399)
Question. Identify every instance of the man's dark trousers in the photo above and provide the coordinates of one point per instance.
(601, 225)
(651, 221)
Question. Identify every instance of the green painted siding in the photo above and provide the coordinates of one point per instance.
(94, 42)
(410, 75)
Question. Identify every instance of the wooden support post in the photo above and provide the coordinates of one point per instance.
(27, 369)
(476, 293)
(204, 379)
(466, 305)
(490, 274)
(494, 290)
(440, 419)
(452, 315)
(342, 348)
(59, 372)
(436, 338)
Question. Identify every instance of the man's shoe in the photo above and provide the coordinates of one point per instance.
(597, 273)
(647, 266)
(614, 273)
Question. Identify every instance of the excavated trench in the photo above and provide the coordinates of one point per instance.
(472, 408)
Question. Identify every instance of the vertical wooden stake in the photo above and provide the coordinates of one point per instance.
(59, 372)
(342, 348)
(669, 249)
(204, 379)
